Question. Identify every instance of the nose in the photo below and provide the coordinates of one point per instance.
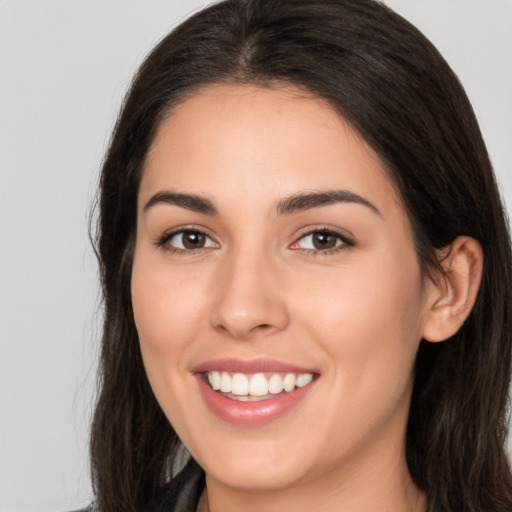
(249, 300)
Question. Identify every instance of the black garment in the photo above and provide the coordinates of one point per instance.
(181, 495)
(184, 491)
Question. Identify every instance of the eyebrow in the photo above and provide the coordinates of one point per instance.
(295, 203)
(189, 201)
(307, 201)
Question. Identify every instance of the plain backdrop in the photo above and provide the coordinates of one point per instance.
(64, 66)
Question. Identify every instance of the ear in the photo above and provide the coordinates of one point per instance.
(452, 297)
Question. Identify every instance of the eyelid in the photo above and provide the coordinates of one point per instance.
(346, 239)
(163, 240)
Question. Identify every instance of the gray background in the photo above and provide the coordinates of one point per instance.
(64, 66)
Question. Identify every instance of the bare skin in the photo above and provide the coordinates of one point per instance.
(259, 283)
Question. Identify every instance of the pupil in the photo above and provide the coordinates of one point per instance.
(193, 240)
(324, 241)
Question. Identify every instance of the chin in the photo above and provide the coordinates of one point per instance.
(256, 476)
(261, 465)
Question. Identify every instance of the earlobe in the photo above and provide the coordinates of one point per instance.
(451, 299)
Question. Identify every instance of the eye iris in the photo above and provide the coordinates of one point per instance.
(193, 240)
(324, 241)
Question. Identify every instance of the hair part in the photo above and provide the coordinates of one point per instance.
(389, 82)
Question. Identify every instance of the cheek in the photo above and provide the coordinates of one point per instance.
(368, 318)
(166, 313)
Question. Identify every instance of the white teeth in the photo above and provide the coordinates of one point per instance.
(275, 384)
(214, 380)
(239, 384)
(257, 385)
(289, 382)
(225, 383)
(303, 380)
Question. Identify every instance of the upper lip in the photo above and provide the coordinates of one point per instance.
(249, 366)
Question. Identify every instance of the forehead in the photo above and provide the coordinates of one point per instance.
(246, 143)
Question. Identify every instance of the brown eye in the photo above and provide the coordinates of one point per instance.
(193, 239)
(189, 240)
(322, 240)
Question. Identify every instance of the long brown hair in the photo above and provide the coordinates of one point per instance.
(383, 76)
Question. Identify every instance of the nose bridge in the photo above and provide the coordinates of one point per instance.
(248, 301)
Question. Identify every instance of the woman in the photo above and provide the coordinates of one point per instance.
(306, 272)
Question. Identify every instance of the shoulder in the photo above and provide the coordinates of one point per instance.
(183, 492)
(180, 495)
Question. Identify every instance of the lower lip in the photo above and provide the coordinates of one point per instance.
(251, 413)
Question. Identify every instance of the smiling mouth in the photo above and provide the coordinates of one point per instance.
(256, 387)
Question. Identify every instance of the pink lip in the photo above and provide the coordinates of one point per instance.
(250, 413)
(254, 366)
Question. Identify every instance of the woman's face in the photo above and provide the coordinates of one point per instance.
(274, 258)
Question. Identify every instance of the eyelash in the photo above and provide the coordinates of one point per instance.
(346, 243)
(163, 241)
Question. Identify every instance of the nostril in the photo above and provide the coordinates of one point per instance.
(243, 333)
(262, 327)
